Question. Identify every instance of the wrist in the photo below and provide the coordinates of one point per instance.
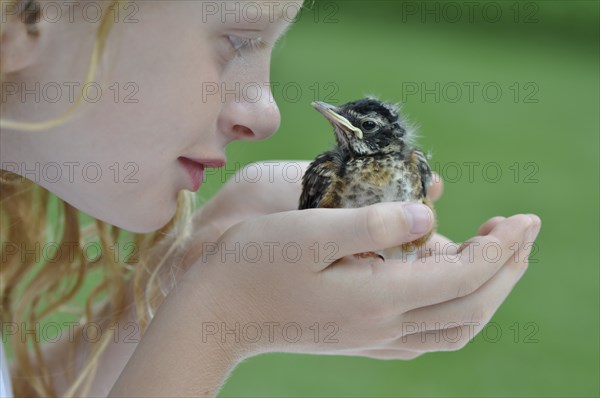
(218, 318)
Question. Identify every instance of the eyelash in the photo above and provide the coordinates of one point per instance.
(245, 43)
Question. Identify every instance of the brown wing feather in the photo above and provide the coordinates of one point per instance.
(318, 180)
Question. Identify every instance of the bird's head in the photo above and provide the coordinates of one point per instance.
(367, 126)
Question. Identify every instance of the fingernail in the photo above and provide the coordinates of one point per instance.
(418, 217)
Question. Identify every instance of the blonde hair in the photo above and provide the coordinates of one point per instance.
(33, 289)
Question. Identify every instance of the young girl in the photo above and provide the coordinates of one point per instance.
(106, 113)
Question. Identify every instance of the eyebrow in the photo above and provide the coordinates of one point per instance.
(289, 24)
(285, 29)
(272, 25)
(272, 43)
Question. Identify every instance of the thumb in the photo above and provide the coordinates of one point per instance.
(352, 231)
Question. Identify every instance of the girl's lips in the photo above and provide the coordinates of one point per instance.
(210, 163)
(196, 172)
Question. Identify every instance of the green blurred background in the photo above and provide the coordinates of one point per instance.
(540, 131)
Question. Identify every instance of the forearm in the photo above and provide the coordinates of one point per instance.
(171, 359)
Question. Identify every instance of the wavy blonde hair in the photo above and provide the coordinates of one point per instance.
(34, 290)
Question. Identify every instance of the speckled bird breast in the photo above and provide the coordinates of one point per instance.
(370, 180)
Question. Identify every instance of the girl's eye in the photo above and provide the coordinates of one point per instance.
(237, 42)
(241, 43)
(235, 46)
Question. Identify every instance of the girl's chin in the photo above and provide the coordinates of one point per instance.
(153, 220)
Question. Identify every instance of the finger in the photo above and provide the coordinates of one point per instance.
(287, 174)
(440, 278)
(348, 231)
(438, 245)
(437, 188)
(451, 339)
(487, 226)
(284, 174)
(475, 309)
(384, 354)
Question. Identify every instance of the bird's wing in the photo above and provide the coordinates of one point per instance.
(318, 179)
(423, 169)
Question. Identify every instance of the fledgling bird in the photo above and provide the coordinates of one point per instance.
(374, 161)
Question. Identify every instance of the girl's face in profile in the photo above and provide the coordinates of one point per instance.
(179, 79)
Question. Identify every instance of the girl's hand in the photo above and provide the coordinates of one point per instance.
(287, 282)
(259, 189)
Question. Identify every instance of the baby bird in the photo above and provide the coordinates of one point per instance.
(374, 161)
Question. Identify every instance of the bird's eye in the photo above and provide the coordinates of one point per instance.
(368, 125)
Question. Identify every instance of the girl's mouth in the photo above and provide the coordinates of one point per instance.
(195, 171)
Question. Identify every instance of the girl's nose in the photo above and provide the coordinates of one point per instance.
(251, 115)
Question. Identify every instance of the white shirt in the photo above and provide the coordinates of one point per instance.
(5, 386)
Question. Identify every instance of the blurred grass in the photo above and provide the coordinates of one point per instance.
(373, 48)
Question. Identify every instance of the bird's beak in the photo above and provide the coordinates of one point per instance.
(331, 113)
